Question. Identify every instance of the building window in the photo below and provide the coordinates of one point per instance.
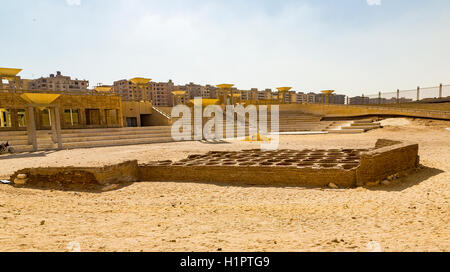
(21, 118)
(5, 118)
(72, 117)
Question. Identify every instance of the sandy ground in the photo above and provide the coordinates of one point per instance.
(410, 215)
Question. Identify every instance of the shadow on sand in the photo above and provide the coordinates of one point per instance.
(88, 188)
(404, 183)
(423, 174)
(26, 155)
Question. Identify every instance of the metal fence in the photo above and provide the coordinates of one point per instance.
(403, 96)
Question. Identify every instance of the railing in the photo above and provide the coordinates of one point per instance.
(162, 113)
(404, 96)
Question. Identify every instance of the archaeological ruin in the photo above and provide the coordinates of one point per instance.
(346, 168)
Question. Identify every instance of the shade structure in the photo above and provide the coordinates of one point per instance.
(9, 72)
(328, 92)
(225, 86)
(103, 89)
(140, 80)
(205, 102)
(40, 98)
(284, 89)
(179, 93)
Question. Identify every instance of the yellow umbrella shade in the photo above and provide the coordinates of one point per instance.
(206, 102)
(9, 72)
(225, 86)
(39, 98)
(258, 138)
(179, 93)
(284, 89)
(103, 89)
(140, 80)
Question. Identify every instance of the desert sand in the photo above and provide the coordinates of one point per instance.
(411, 214)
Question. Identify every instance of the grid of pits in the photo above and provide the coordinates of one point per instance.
(333, 158)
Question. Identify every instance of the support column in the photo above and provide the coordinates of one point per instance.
(31, 129)
(53, 124)
(398, 96)
(418, 93)
(440, 90)
(138, 114)
(379, 97)
(58, 127)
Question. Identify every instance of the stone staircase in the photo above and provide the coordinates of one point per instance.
(84, 138)
(352, 126)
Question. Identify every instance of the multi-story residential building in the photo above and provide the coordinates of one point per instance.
(161, 93)
(158, 92)
(57, 83)
(129, 92)
(359, 100)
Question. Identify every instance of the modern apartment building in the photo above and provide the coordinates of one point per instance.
(58, 83)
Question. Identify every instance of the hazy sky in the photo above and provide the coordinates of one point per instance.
(352, 46)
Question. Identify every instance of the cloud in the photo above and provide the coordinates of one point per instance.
(374, 2)
(73, 2)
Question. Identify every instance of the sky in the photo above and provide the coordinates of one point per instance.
(351, 46)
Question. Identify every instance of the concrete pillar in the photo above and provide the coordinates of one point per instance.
(440, 90)
(398, 96)
(52, 113)
(31, 129)
(138, 114)
(418, 93)
(57, 125)
(379, 97)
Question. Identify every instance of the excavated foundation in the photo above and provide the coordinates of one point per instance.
(344, 167)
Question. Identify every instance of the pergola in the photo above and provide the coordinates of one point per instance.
(103, 89)
(282, 94)
(225, 91)
(42, 100)
(177, 97)
(10, 74)
(326, 96)
(142, 83)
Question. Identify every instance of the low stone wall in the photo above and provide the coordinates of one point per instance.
(318, 168)
(115, 174)
(390, 159)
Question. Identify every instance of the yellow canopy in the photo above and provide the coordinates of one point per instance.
(258, 138)
(206, 102)
(140, 80)
(178, 92)
(40, 98)
(11, 72)
(225, 86)
(328, 92)
(284, 89)
(103, 88)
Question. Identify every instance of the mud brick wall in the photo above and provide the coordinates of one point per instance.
(120, 173)
(316, 168)
(314, 177)
(379, 164)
